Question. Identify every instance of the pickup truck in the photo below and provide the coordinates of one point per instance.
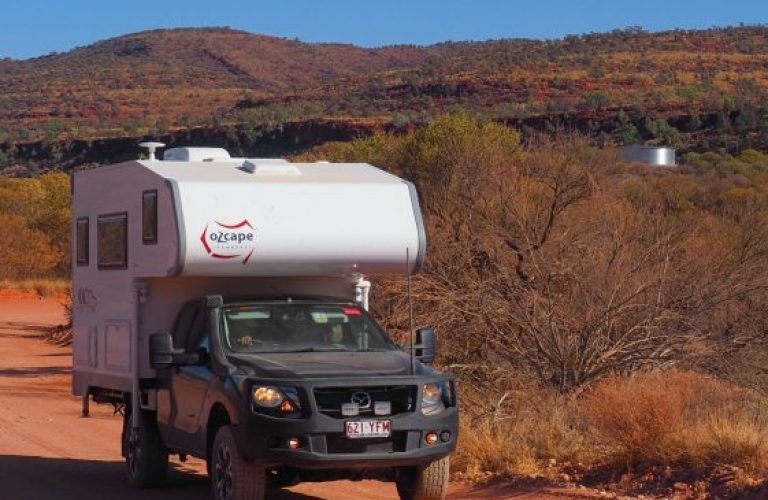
(274, 391)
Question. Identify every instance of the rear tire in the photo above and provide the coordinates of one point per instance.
(232, 478)
(423, 483)
(146, 457)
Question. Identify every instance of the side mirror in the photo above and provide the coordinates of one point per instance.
(163, 355)
(426, 345)
(161, 350)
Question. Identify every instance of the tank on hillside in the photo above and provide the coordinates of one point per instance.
(650, 155)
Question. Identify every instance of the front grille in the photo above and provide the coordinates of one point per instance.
(339, 443)
(330, 399)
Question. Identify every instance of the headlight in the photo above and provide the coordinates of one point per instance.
(267, 396)
(432, 399)
(278, 401)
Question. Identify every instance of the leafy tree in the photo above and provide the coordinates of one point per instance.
(628, 133)
(24, 252)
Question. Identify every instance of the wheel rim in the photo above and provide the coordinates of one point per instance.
(133, 452)
(223, 472)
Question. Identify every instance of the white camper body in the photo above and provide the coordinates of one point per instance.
(150, 235)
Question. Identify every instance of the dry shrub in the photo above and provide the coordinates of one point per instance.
(24, 251)
(487, 449)
(47, 287)
(62, 334)
(643, 415)
(42, 287)
(674, 418)
(677, 418)
(515, 428)
(735, 436)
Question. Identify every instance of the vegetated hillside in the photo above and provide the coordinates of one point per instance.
(167, 75)
(695, 89)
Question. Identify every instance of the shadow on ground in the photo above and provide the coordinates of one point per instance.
(39, 371)
(37, 477)
(16, 329)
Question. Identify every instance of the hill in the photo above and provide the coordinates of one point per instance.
(683, 87)
(161, 75)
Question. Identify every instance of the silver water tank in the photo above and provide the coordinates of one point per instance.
(652, 155)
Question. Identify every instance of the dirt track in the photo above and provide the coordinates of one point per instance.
(48, 451)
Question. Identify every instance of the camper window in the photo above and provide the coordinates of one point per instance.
(149, 217)
(82, 241)
(112, 241)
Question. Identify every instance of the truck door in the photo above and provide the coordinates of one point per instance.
(189, 384)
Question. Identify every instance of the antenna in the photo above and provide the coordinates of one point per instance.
(410, 310)
(151, 147)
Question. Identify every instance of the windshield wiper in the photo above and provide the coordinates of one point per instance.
(318, 349)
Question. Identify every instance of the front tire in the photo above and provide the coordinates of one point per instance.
(146, 457)
(232, 478)
(424, 483)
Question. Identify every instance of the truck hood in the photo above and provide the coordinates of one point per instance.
(326, 364)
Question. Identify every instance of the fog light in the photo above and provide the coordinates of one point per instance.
(382, 408)
(350, 409)
(445, 436)
(294, 443)
(430, 438)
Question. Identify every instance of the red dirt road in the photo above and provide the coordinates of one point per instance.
(47, 450)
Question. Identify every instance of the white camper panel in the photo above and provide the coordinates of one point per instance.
(317, 219)
(105, 301)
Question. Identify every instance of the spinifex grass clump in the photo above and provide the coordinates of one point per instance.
(678, 418)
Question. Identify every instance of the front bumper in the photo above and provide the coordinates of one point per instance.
(264, 438)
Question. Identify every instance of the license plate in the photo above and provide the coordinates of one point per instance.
(368, 428)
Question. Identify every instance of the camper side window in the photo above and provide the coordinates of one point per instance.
(149, 217)
(82, 241)
(112, 241)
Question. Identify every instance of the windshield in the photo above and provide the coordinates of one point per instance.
(296, 327)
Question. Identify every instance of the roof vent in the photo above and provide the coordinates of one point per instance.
(270, 167)
(196, 154)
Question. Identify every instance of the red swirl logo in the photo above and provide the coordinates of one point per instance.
(229, 241)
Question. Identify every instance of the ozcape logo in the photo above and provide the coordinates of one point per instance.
(229, 241)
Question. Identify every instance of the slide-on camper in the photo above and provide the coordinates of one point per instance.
(222, 303)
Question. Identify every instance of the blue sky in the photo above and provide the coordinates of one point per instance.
(31, 28)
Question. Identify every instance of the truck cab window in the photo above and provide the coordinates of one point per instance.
(197, 333)
(297, 327)
(183, 324)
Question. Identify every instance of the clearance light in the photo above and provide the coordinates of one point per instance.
(430, 438)
(351, 311)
